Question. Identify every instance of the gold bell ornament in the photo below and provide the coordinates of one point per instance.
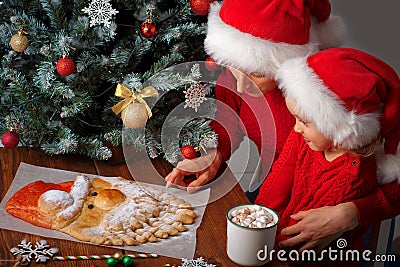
(19, 42)
(134, 110)
(135, 115)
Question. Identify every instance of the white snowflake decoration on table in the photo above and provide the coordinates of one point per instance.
(100, 12)
(199, 262)
(41, 252)
(195, 95)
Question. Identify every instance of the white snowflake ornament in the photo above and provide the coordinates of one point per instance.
(41, 252)
(100, 12)
(199, 262)
(195, 95)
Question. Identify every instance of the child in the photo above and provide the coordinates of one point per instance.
(346, 103)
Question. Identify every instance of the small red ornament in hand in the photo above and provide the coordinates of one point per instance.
(188, 152)
(148, 28)
(200, 7)
(10, 139)
(65, 66)
(211, 65)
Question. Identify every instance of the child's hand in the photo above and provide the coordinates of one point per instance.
(316, 228)
(204, 168)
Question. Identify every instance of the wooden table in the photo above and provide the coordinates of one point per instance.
(211, 235)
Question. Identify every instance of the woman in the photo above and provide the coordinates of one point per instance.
(256, 38)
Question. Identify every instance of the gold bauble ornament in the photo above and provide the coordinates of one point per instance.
(135, 115)
(118, 256)
(19, 42)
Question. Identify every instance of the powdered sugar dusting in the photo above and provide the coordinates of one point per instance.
(145, 215)
(138, 206)
(57, 198)
(79, 191)
(138, 217)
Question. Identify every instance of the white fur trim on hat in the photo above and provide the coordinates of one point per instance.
(330, 33)
(388, 167)
(321, 106)
(229, 46)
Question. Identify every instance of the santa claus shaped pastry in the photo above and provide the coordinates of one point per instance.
(110, 211)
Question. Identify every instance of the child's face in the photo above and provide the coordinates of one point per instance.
(249, 83)
(315, 140)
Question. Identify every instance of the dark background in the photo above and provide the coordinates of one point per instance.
(372, 26)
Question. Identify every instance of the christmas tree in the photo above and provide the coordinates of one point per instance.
(62, 60)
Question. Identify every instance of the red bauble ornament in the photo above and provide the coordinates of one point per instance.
(200, 7)
(10, 139)
(211, 65)
(148, 28)
(65, 66)
(188, 152)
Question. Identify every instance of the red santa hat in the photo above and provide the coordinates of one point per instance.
(351, 97)
(259, 35)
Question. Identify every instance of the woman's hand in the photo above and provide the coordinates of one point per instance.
(204, 168)
(316, 228)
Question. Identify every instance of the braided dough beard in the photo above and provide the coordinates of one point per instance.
(109, 211)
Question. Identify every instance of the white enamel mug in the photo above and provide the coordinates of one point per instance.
(250, 246)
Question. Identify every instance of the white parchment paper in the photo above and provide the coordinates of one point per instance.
(181, 246)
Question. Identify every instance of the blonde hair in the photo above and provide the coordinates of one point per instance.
(369, 150)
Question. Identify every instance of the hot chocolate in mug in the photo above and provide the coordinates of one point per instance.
(250, 229)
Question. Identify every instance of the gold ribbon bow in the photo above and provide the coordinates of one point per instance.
(124, 92)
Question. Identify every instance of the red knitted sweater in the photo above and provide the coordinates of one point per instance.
(382, 203)
(302, 179)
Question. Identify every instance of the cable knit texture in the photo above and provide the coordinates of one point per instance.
(302, 179)
(381, 204)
